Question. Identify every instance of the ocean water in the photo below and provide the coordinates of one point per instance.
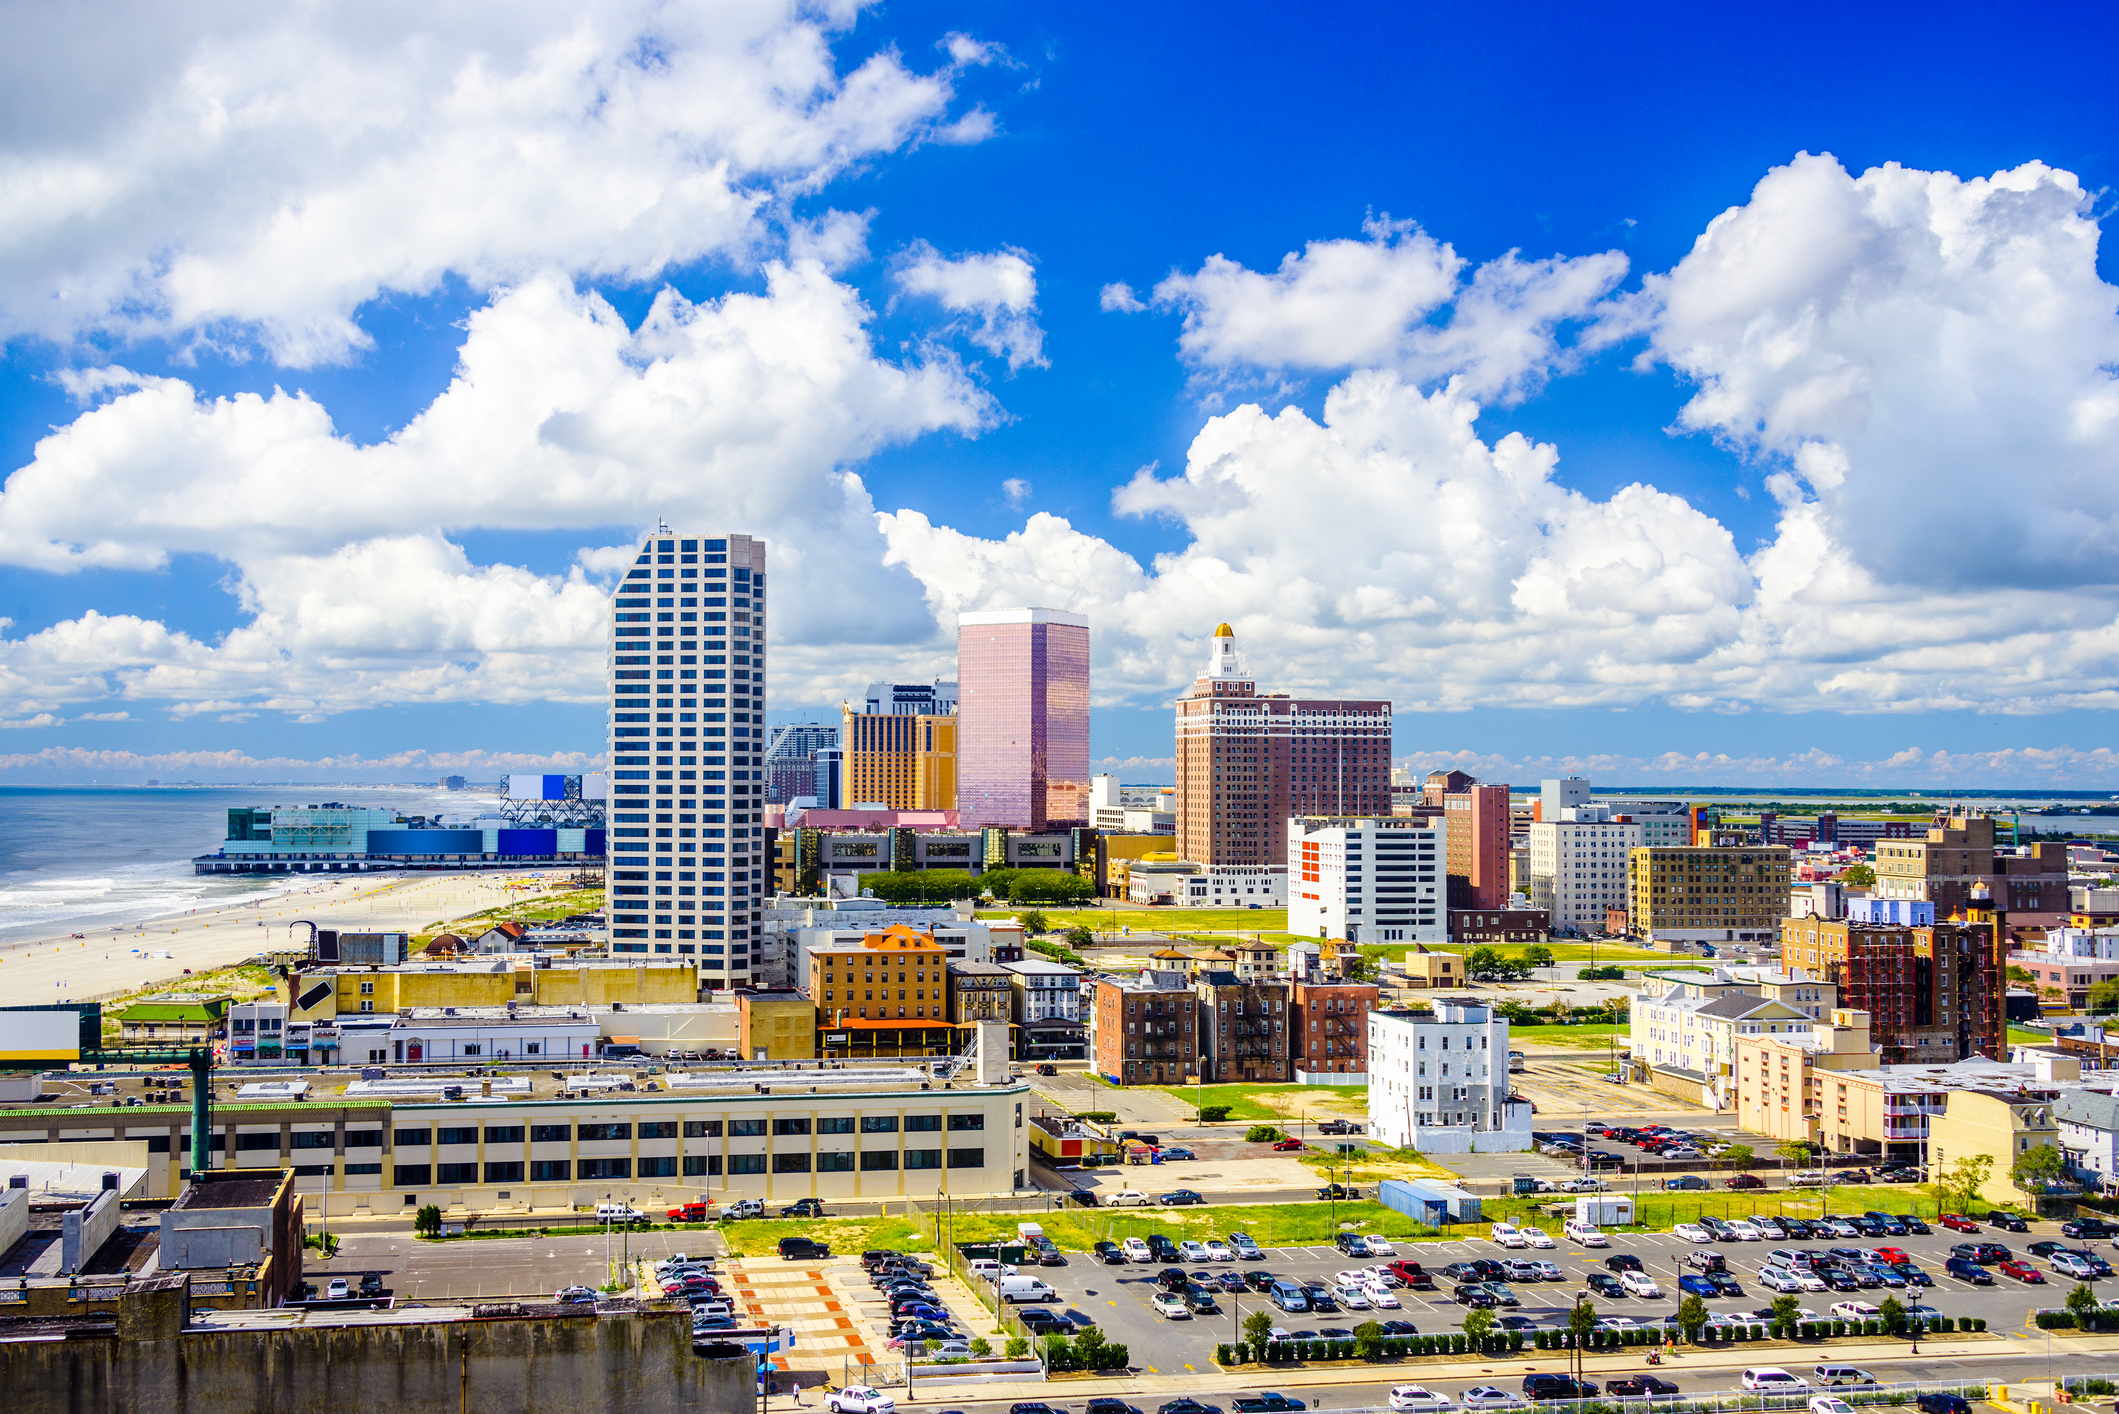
(75, 859)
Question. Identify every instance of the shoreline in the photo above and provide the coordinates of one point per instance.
(112, 961)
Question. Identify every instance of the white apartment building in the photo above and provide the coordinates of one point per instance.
(1235, 886)
(687, 864)
(1438, 1082)
(1046, 991)
(1578, 865)
(1369, 880)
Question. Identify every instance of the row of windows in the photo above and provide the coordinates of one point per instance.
(649, 1129)
(694, 1165)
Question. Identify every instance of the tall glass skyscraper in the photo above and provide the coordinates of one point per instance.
(1022, 718)
(687, 859)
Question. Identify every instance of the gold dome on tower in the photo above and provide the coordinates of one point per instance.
(1224, 632)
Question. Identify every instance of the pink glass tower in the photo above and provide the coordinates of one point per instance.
(1022, 718)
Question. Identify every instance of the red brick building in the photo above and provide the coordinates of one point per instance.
(1145, 1029)
(1328, 1026)
(1478, 829)
(1473, 927)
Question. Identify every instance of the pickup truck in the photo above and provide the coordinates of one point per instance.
(1338, 1126)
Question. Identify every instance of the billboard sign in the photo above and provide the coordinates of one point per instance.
(44, 1036)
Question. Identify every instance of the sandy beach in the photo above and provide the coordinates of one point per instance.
(104, 963)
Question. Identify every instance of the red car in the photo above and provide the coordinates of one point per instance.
(2022, 1271)
(1893, 1255)
(1287, 1144)
(1958, 1222)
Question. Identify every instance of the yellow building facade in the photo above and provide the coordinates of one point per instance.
(900, 761)
(1710, 894)
(323, 993)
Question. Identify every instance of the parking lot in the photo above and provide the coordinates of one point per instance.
(1117, 1298)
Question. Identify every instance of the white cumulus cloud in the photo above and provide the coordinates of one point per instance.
(1373, 303)
(733, 414)
(238, 173)
(996, 292)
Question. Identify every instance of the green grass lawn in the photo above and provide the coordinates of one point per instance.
(1580, 1038)
(1160, 920)
(2020, 1037)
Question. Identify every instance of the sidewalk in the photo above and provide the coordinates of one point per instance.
(1504, 1370)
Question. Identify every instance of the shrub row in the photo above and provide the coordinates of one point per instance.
(1455, 1343)
(2069, 1320)
(1101, 1357)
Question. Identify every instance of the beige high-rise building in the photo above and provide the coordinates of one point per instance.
(1246, 763)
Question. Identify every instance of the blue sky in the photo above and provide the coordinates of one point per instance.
(326, 401)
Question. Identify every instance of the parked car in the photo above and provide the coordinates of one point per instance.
(1128, 1198)
(1287, 1146)
(1685, 1181)
(1939, 1403)
(859, 1399)
(1171, 1307)
(1743, 1180)
(1772, 1380)
(2021, 1271)
(338, 1289)
(574, 1295)
(804, 1208)
(1489, 1397)
(1185, 1404)
(1965, 1269)
(1958, 1222)
(1265, 1402)
(2008, 1222)
(1180, 1198)
(1419, 1399)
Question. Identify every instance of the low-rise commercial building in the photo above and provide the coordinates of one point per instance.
(1485, 927)
(2005, 1124)
(1047, 1000)
(173, 1019)
(1438, 1081)
(854, 1134)
(1686, 1026)
(775, 1026)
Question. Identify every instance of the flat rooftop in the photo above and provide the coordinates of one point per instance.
(229, 1190)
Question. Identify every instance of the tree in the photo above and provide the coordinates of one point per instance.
(1487, 964)
(2021, 974)
(1784, 1312)
(1893, 1312)
(1089, 1344)
(2036, 1168)
(981, 1347)
(1963, 1179)
(1794, 1151)
(1692, 1314)
(1079, 936)
(1257, 1326)
(920, 885)
(1368, 1339)
(1049, 886)
(1860, 874)
(2104, 996)
(1739, 1157)
(1538, 955)
(2082, 1301)
(1018, 1347)
(1478, 1325)
(427, 1221)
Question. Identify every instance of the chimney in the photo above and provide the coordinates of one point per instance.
(485, 1087)
(110, 1182)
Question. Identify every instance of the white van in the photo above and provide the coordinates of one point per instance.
(1137, 1250)
(1019, 1289)
(619, 1213)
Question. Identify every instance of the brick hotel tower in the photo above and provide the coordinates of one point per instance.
(1246, 763)
(1022, 719)
(687, 859)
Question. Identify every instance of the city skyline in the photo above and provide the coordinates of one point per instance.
(1674, 437)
